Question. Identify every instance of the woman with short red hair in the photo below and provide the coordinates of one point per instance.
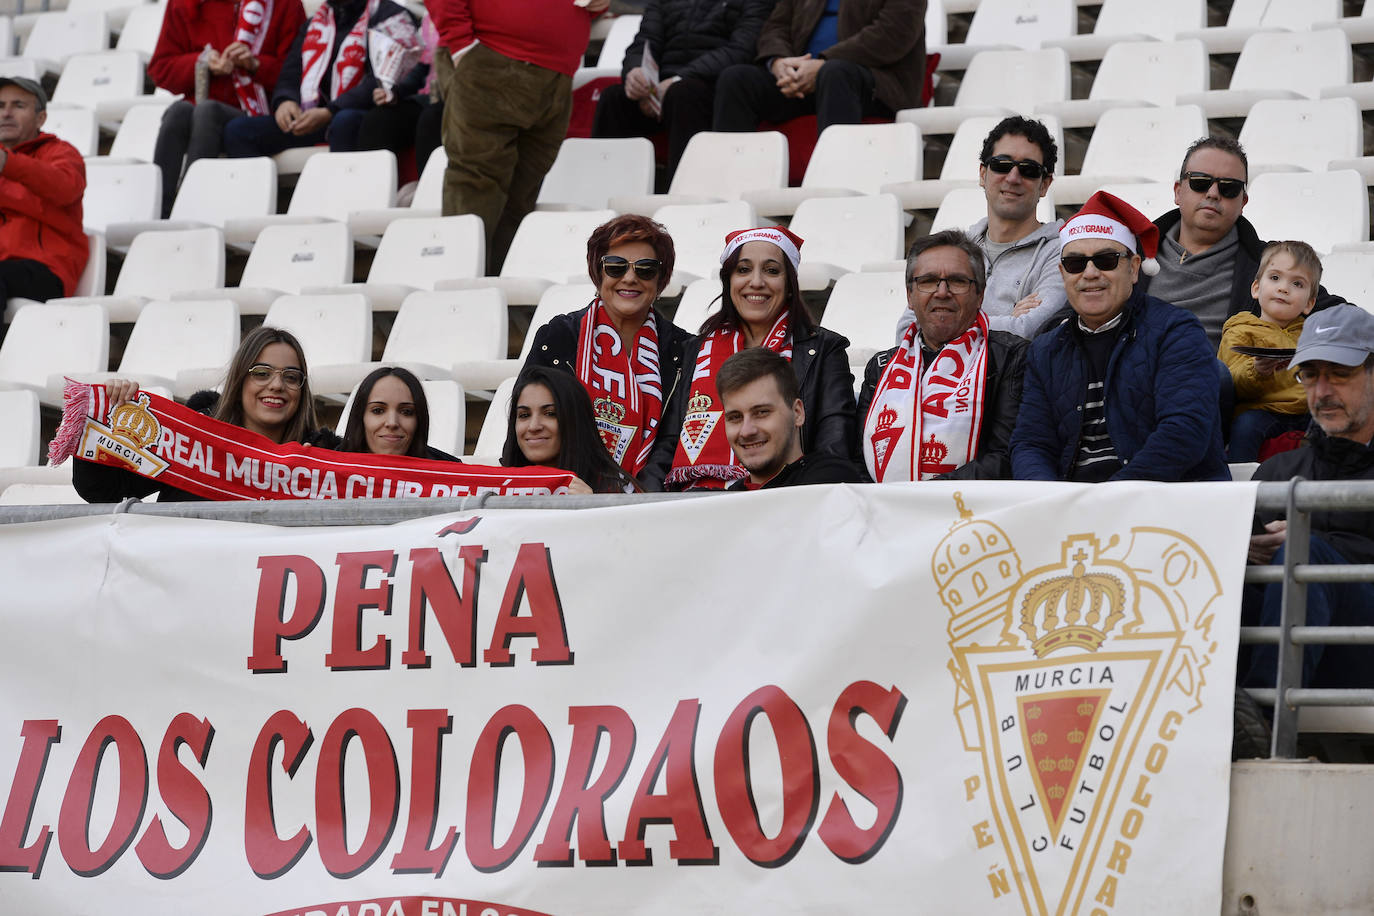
(622, 349)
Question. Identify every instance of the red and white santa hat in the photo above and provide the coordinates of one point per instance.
(1106, 216)
(790, 243)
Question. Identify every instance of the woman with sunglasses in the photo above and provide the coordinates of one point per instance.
(551, 424)
(390, 416)
(266, 391)
(761, 306)
(624, 351)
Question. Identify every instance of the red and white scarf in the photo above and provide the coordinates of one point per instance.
(254, 16)
(626, 390)
(950, 395)
(704, 458)
(349, 64)
(162, 440)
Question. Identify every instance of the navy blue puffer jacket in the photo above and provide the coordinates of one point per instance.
(1161, 393)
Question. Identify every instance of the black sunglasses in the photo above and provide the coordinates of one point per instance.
(1201, 182)
(615, 267)
(1104, 261)
(1029, 168)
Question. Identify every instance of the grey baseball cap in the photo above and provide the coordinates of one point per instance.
(29, 86)
(1342, 334)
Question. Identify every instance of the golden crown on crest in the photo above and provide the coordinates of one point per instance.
(606, 409)
(700, 403)
(134, 423)
(1076, 610)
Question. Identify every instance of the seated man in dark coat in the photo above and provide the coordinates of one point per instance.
(1335, 363)
(943, 402)
(764, 415)
(1126, 388)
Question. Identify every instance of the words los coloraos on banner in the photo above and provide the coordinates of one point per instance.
(996, 699)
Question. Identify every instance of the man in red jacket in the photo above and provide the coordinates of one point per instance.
(42, 179)
(506, 77)
(243, 45)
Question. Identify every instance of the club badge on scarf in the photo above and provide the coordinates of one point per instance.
(160, 439)
(626, 389)
(940, 435)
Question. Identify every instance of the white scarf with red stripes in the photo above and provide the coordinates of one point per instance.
(254, 15)
(901, 442)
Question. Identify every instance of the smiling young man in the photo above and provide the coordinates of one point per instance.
(42, 179)
(1335, 363)
(763, 416)
(943, 402)
(1126, 388)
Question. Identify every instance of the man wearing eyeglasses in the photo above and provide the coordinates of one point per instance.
(1126, 387)
(1335, 363)
(943, 402)
(1208, 252)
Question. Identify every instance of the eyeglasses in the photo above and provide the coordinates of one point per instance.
(263, 374)
(616, 267)
(929, 283)
(1029, 168)
(1201, 182)
(1104, 261)
(1335, 375)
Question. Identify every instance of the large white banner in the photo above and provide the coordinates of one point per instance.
(983, 699)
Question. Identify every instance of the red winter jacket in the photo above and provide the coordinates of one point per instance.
(549, 33)
(41, 187)
(189, 25)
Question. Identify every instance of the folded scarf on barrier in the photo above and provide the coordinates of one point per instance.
(163, 440)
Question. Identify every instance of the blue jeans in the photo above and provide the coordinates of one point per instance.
(1252, 429)
(260, 136)
(1333, 604)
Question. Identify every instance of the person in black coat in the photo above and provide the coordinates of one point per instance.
(267, 391)
(946, 277)
(622, 350)
(692, 41)
(761, 305)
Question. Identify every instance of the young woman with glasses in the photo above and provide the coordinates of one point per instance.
(623, 350)
(761, 306)
(266, 391)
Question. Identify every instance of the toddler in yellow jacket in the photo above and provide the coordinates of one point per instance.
(1269, 399)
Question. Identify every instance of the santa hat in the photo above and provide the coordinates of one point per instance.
(787, 241)
(1106, 216)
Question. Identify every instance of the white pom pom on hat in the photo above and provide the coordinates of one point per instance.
(1106, 216)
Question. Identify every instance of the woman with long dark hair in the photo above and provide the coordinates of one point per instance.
(266, 391)
(620, 347)
(551, 424)
(761, 306)
(390, 416)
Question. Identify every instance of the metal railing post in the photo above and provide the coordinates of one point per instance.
(1293, 613)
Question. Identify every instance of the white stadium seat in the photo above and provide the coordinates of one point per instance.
(111, 82)
(699, 300)
(1133, 144)
(1137, 74)
(865, 307)
(998, 83)
(212, 192)
(427, 201)
(1350, 275)
(121, 193)
(44, 344)
(1248, 18)
(548, 248)
(332, 330)
(588, 171)
(1125, 21)
(850, 159)
(1279, 65)
(78, 126)
(963, 207)
(19, 416)
(160, 264)
(1285, 135)
(1324, 209)
(55, 37)
(289, 259)
(137, 134)
(331, 186)
(90, 283)
(1002, 24)
(845, 234)
(698, 232)
(717, 167)
(492, 438)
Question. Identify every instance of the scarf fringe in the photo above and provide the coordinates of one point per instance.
(76, 407)
(721, 474)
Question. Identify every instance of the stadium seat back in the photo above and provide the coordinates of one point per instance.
(19, 416)
(723, 165)
(622, 33)
(1350, 275)
(1293, 15)
(292, 257)
(1324, 209)
(421, 252)
(169, 337)
(962, 207)
(51, 340)
(78, 126)
(88, 79)
(1143, 142)
(332, 185)
(162, 263)
(850, 232)
(1018, 80)
(1153, 71)
(1303, 62)
(699, 230)
(492, 438)
(865, 307)
(552, 246)
(1162, 19)
(588, 172)
(137, 135)
(121, 193)
(1022, 23)
(215, 190)
(699, 300)
(442, 328)
(864, 157)
(1307, 133)
(141, 28)
(556, 300)
(333, 329)
(58, 36)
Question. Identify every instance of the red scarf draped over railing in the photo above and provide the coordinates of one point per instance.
(164, 441)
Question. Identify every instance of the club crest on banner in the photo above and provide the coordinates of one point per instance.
(1071, 680)
(127, 441)
(615, 434)
(698, 424)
